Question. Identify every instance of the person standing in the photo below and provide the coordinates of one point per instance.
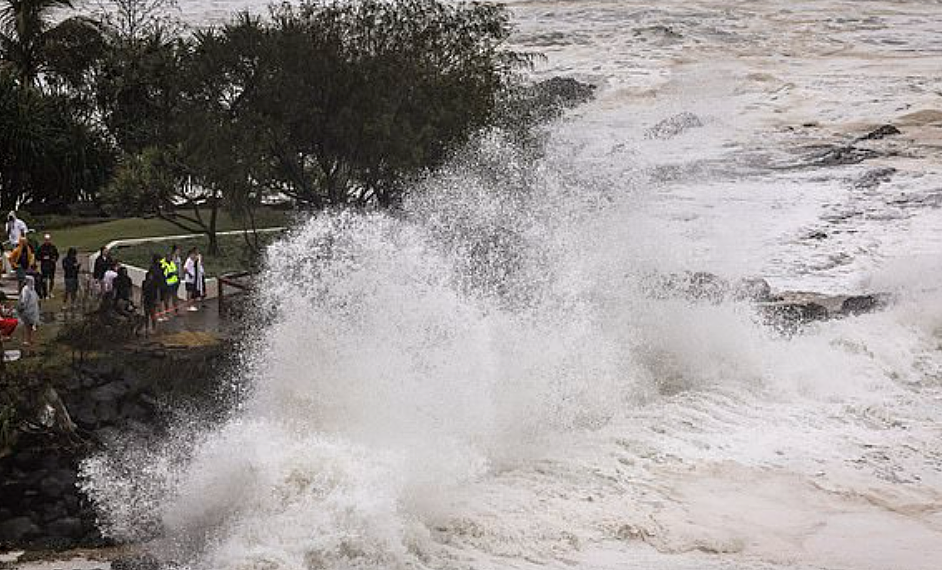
(160, 283)
(171, 274)
(27, 309)
(176, 257)
(123, 287)
(38, 284)
(193, 278)
(150, 298)
(16, 229)
(102, 264)
(107, 285)
(22, 259)
(70, 272)
(48, 258)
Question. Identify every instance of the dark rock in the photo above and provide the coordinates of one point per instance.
(52, 487)
(107, 412)
(860, 304)
(18, 529)
(27, 460)
(817, 235)
(873, 178)
(673, 126)
(143, 562)
(564, 91)
(83, 413)
(71, 502)
(659, 33)
(11, 492)
(131, 410)
(546, 100)
(842, 155)
(788, 317)
(756, 290)
(880, 132)
(58, 482)
(703, 286)
(67, 527)
(108, 392)
(54, 511)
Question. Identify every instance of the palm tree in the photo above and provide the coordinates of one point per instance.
(24, 31)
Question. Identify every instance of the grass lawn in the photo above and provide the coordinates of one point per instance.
(89, 238)
(235, 256)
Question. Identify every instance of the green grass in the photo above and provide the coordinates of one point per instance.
(88, 238)
(234, 256)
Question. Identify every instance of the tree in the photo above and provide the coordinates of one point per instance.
(26, 33)
(347, 100)
(49, 157)
(331, 105)
(135, 21)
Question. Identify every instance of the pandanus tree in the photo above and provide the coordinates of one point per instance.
(25, 29)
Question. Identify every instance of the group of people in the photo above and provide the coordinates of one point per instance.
(35, 269)
(160, 290)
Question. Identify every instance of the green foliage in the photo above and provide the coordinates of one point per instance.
(330, 104)
(342, 101)
(48, 156)
(24, 29)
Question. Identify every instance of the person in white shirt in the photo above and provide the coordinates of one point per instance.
(107, 283)
(194, 277)
(16, 228)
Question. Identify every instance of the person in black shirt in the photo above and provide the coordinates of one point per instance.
(48, 257)
(122, 292)
(101, 264)
(70, 272)
(151, 295)
(39, 283)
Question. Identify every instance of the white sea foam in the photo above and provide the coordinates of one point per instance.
(483, 381)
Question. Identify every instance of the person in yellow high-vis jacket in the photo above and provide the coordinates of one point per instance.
(171, 275)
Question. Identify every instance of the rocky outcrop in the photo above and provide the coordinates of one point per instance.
(789, 311)
(878, 133)
(874, 178)
(69, 415)
(842, 155)
(785, 311)
(41, 504)
(544, 101)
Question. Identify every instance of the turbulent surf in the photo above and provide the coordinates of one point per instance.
(500, 375)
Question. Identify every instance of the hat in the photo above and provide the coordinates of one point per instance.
(47, 236)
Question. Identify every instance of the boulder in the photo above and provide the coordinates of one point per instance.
(842, 155)
(58, 483)
(109, 392)
(880, 132)
(563, 92)
(860, 304)
(756, 290)
(788, 317)
(18, 529)
(141, 562)
(704, 286)
(66, 527)
(873, 178)
(674, 126)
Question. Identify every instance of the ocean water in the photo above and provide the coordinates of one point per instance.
(488, 382)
